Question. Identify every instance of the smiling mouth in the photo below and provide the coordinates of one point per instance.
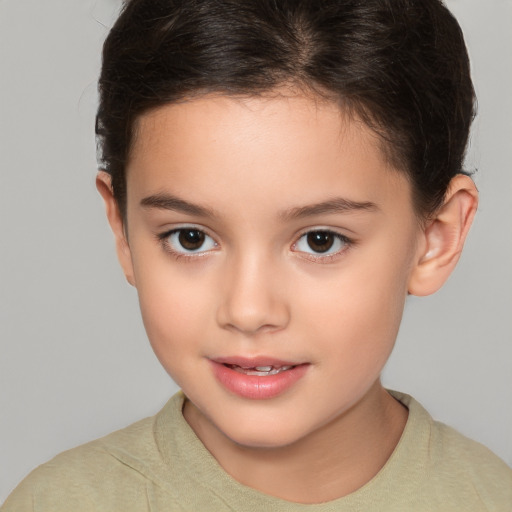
(260, 371)
(257, 378)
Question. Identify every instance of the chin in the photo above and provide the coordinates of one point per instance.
(262, 436)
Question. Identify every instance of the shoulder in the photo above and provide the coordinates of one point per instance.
(471, 464)
(111, 473)
(452, 468)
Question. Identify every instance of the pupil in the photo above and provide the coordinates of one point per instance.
(320, 241)
(191, 239)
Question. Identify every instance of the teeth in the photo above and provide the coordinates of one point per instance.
(260, 371)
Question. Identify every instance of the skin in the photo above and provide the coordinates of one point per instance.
(256, 288)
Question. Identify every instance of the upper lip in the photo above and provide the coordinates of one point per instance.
(253, 362)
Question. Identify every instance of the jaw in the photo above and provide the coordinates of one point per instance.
(334, 460)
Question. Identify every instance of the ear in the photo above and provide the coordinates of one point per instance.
(444, 237)
(115, 219)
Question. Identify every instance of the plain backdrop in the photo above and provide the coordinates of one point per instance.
(75, 363)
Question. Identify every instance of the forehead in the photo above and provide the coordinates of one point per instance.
(218, 147)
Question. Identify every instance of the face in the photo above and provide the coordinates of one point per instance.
(271, 246)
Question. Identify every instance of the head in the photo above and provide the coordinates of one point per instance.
(400, 66)
(279, 175)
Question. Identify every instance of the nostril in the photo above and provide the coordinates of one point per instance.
(251, 304)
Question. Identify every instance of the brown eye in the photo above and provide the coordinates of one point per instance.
(191, 239)
(321, 241)
(188, 240)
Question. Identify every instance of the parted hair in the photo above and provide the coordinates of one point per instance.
(400, 66)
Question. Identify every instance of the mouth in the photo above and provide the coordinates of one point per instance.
(257, 378)
(260, 371)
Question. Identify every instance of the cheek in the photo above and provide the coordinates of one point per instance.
(357, 313)
(174, 311)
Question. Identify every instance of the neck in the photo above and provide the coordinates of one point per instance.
(329, 463)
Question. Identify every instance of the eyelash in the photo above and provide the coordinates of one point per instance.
(163, 238)
(325, 258)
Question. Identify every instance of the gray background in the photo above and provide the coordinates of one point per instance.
(74, 360)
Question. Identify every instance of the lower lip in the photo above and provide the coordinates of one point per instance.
(256, 387)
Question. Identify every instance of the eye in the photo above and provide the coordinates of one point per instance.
(321, 243)
(189, 240)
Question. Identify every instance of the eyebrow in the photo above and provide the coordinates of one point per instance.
(170, 202)
(335, 205)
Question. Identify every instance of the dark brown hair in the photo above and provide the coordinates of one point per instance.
(399, 65)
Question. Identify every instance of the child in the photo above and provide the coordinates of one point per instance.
(279, 176)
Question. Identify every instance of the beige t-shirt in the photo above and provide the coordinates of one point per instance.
(158, 464)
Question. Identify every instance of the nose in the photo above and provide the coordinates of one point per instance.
(253, 297)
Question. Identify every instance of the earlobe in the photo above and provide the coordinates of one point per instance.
(444, 237)
(115, 219)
